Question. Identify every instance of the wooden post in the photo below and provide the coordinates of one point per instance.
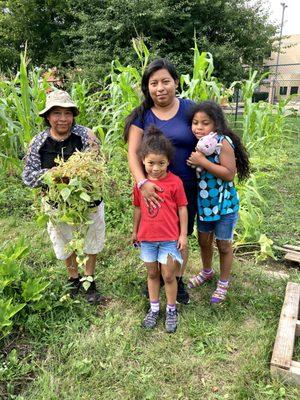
(288, 328)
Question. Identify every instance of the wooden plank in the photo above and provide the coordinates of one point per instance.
(290, 247)
(292, 256)
(284, 250)
(284, 342)
(295, 364)
(290, 376)
(297, 333)
(279, 248)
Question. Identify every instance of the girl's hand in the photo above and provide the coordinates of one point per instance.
(197, 158)
(134, 240)
(134, 237)
(182, 242)
(151, 198)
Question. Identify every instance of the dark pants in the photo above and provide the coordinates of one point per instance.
(190, 188)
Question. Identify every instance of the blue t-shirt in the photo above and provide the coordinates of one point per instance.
(178, 130)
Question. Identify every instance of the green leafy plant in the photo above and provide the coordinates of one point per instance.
(32, 289)
(73, 188)
(11, 266)
(7, 312)
(19, 289)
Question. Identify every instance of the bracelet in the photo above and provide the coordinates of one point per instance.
(141, 183)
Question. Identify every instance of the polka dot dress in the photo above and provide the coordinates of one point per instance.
(215, 196)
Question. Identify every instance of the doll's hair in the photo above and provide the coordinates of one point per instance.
(154, 142)
(215, 113)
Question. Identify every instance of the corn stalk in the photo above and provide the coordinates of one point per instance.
(202, 85)
(20, 101)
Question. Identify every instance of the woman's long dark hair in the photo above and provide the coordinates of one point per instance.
(138, 112)
(215, 113)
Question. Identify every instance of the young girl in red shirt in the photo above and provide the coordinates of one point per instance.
(160, 230)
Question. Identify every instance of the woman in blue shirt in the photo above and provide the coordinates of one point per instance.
(170, 114)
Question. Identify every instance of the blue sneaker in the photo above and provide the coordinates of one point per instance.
(150, 321)
(171, 321)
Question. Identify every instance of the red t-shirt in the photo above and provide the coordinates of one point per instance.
(161, 224)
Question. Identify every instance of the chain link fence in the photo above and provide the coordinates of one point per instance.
(282, 81)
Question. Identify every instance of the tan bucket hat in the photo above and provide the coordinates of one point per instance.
(59, 98)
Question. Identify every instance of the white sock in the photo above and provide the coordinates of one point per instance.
(154, 306)
(171, 307)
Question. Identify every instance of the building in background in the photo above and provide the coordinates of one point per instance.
(284, 79)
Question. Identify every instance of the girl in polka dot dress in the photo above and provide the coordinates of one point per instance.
(218, 201)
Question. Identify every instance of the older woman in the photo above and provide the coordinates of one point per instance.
(62, 138)
(170, 114)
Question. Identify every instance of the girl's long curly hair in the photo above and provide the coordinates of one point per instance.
(215, 113)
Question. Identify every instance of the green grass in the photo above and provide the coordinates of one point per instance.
(281, 191)
(80, 352)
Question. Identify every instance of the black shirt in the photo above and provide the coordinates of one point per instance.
(64, 149)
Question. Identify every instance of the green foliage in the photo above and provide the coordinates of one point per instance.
(7, 311)
(73, 187)
(10, 267)
(20, 100)
(250, 212)
(41, 24)
(265, 248)
(202, 85)
(32, 289)
(168, 27)
(62, 34)
(263, 123)
(15, 198)
(18, 288)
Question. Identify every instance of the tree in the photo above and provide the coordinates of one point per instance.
(91, 33)
(40, 23)
(232, 30)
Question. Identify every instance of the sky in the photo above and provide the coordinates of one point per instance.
(291, 23)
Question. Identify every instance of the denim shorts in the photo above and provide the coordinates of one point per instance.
(222, 228)
(159, 251)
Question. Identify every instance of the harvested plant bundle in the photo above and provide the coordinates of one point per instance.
(73, 187)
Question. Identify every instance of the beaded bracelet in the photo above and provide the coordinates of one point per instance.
(141, 183)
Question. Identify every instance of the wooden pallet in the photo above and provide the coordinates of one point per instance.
(292, 253)
(288, 329)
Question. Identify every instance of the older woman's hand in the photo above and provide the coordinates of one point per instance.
(151, 198)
